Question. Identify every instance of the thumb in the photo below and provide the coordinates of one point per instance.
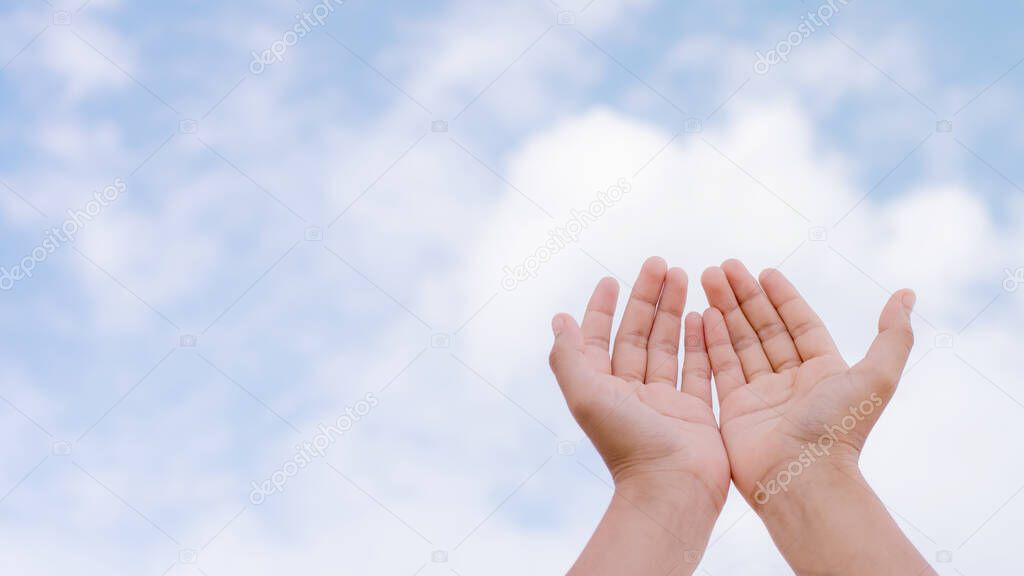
(567, 359)
(885, 360)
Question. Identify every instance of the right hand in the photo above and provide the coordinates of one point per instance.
(652, 435)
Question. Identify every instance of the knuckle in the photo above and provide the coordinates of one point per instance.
(886, 385)
(635, 338)
(554, 359)
(668, 345)
(772, 330)
(694, 343)
(803, 328)
(906, 334)
(728, 365)
(745, 341)
(789, 364)
(699, 372)
(879, 378)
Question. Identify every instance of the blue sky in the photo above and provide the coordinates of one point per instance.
(322, 243)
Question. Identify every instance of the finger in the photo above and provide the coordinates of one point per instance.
(725, 364)
(696, 366)
(663, 347)
(597, 325)
(629, 359)
(744, 340)
(807, 330)
(884, 363)
(762, 316)
(567, 359)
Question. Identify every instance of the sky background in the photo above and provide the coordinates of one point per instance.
(297, 239)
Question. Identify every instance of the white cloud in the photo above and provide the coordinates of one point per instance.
(940, 239)
(84, 65)
(444, 448)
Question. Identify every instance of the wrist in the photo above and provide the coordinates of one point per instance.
(653, 525)
(682, 511)
(679, 495)
(807, 517)
(827, 520)
(790, 489)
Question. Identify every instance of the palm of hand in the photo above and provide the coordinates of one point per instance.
(628, 404)
(771, 420)
(656, 430)
(784, 389)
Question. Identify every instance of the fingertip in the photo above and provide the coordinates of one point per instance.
(909, 299)
(605, 295)
(897, 311)
(767, 275)
(710, 314)
(656, 264)
(651, 276)
(710, 274)
(677, 277)
(608, 283)
(563, 322)
(558, 323)
(733, 265)
(567, 352)
(693, 331)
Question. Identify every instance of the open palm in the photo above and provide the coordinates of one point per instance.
(628, 403)
(787, 397)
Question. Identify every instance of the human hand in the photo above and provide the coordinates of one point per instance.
(784, 390)
(794, 418)
(648, 431)
(661, 444)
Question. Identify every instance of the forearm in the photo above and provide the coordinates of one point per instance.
(829, 521)
(661, 531)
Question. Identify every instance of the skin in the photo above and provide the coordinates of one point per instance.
(785, 394)
(794, 418)
(661, 443)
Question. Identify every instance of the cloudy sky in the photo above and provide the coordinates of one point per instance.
(259, 269)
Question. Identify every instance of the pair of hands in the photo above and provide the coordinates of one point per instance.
(793, 415)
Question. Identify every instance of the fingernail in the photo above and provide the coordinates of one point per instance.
(909, 300)
(557, 324)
